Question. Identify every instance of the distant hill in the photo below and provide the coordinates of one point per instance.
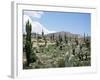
(62, 34)
(56, 35)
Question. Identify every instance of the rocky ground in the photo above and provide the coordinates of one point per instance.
(68, 54)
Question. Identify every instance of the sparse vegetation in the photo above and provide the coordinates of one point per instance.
(55, 51)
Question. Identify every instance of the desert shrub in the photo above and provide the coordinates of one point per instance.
(46, 50)
(57, 43)
(61, 63)
(37, 50)
(60, 47)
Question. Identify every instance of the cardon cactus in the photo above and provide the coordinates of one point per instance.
(30, 55)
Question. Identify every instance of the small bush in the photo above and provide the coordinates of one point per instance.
(61, 63)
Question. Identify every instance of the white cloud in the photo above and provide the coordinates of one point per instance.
(36, 14)
(36, 26)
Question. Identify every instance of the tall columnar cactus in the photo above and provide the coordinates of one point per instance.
(53, 36)
(66, 38)
(42, 33)
(60, 38)
(76, 40)
(28, 31)
(28, 46)
(45, 41)
(84, 37)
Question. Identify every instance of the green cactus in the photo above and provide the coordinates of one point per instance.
(30, 55)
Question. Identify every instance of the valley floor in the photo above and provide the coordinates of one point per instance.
(52, 55)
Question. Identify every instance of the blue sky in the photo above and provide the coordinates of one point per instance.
(78, 23)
